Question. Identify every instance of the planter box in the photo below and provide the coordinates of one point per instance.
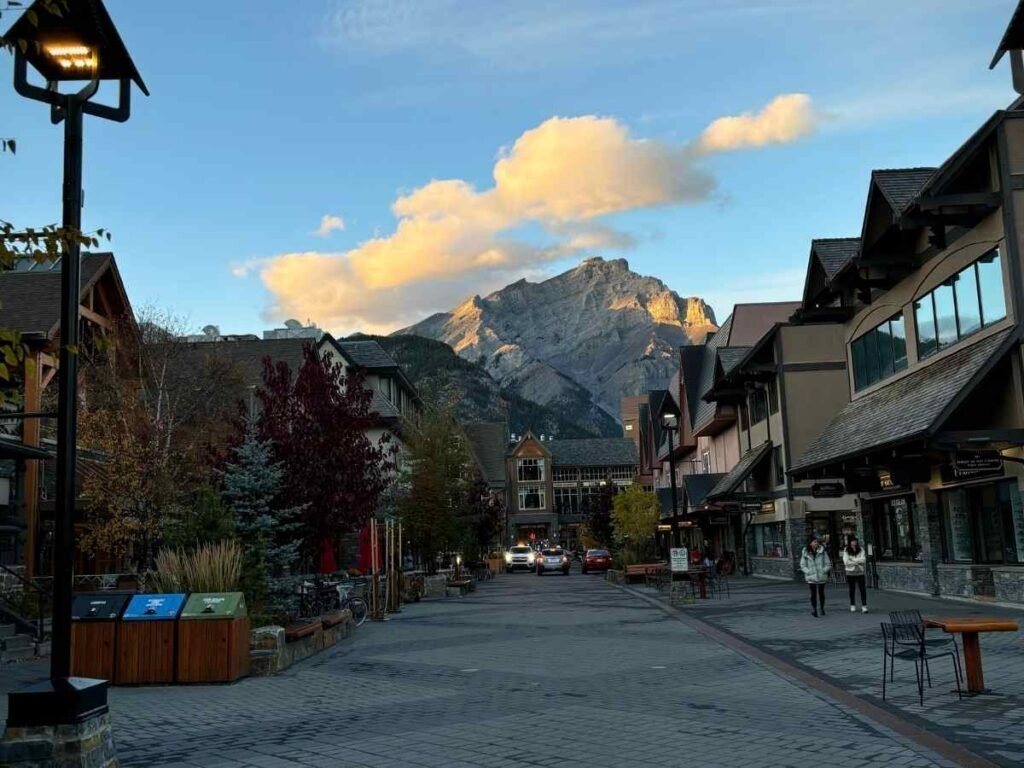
(616, 577)
(1008, 582)
(273, 650)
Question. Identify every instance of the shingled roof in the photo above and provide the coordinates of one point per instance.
(730, 357)
(834, 253)
(30, 300)
(247, 354)
(907, 409)
(593, 452)
(901, 185)
(367, 354)
(734, 477)
(699, 486)
(1013, 38)
(704, 412)
(488, 441)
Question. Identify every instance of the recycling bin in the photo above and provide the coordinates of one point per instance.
(146, 639)
(213, 638)
(94, 619)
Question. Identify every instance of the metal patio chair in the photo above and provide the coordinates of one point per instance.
(934, 644)
(906, 642)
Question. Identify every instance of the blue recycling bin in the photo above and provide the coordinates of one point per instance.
(146, 639)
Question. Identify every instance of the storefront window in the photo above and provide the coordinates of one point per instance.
(958, 526)
(770, 540)
(983, 524)
(894, 529)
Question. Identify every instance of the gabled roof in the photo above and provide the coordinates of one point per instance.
(367, 354)
(734, 478)
(488, 441)
(900, 186)
(704, 412)
(593, 452)
(1013, 38)
(907, 409)
(834, 253)
(247, 354)
(697, 487)
(691, 360)
(730, 357)
(30, 299)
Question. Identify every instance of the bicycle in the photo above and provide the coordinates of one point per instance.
(353, 603)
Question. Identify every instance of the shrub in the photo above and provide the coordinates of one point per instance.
(210, 568)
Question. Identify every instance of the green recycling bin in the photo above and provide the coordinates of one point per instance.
(213, 638)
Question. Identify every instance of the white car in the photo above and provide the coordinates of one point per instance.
(521, 557)
(553, 559)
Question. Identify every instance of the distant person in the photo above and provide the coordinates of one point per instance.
(855, 562)
(708, 554)
(816, 565)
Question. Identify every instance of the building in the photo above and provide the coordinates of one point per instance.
(641, 423)
(932, 438)
(30, 305)
(553, 483)
(488, 444)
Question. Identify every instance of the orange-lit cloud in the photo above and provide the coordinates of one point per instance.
(329, 223)
(558, 179)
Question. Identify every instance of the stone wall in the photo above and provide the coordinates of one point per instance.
(272, 653)
(1008, 583)
(82, 745)
(905, 577)
(965, 580)
(435, 586)
(772, 567)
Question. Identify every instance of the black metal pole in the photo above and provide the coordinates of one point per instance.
(67, 386)
(672, 472)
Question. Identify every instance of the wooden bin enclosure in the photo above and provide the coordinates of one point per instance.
(94, 633)
(146, 639)
(213, 638)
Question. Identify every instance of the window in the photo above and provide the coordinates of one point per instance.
(744, 423)
(532, 497)
(565, 474)
(773, 396)
(770, 540)
(880, 352)
(622, 473)
(894, 529)
(530, 470)
(705, 460)
(758, 406)
(780, 469)
(567, 501)
(967, 302)
(983, 524)
(593, 474)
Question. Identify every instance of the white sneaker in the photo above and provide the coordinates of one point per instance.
(864, 609)
(853, 609)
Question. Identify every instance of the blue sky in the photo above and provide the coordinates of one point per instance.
(267, 116)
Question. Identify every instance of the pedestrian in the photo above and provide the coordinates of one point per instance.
(855, 563)
(816, 564)
(708, 554)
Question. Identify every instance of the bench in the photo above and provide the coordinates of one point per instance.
(300, 630)
(463, 585)
(645, 571)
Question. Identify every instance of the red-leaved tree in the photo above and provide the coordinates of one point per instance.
(317, 420)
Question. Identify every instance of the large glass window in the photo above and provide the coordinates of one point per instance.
(531, 470)
(880, 352)
(567, 501)
(983, 524)
(532, 497)
(770, 540)
(967, 302)
(894, 529)
(565, 474)
(758, 406)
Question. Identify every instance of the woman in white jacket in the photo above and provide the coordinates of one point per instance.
(856, 574)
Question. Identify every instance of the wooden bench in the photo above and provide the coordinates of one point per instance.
(334, 618)
(463, 585)
(644, 571)
(304, 629)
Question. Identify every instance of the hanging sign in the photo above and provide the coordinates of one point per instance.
(827, 490)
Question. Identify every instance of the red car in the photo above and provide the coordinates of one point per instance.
(597, 560)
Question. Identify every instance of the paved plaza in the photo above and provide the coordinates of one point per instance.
(524, 672)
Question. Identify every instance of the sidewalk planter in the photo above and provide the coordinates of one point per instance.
(213, 638)
(275, 649)
(615, 577)
(146, 639)
(94, 620)
(435, 586)
(1008, 582)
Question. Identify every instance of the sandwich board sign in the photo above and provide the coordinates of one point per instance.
(679, 559)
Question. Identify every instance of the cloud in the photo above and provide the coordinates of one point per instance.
(329, 223)
(551, 189)
(786, 118)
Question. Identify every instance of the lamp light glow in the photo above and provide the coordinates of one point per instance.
(72, 57)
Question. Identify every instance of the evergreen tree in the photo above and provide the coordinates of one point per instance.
(270, 534)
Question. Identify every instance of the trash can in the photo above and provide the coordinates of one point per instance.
(146, 639)
(94, 619)
(213, 638)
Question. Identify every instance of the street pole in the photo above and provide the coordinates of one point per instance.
(672, 472)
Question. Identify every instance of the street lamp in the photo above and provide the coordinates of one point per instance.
(670, 422)
(75, 42)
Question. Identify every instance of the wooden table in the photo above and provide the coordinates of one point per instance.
(968, 629)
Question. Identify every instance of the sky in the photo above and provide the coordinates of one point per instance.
(364, 163)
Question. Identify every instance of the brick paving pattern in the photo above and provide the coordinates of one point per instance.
(523, 672)
(846, 649)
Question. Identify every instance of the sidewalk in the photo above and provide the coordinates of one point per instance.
(846, 650)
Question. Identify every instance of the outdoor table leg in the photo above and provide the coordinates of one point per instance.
(972, 662)
(702, 584)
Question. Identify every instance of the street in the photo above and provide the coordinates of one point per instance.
(525, 671)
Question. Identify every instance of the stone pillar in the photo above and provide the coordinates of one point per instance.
(796, 531)
(927, 529)
(89, 744)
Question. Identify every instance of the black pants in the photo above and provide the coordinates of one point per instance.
(853, 582)
(817, 596)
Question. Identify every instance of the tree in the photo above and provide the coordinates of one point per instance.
(635, 515)
(268, 532)
(435, 510)
(486, 513)
(317, 423)
(597, 511)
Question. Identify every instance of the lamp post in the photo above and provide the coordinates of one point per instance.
(670, 422)
(81, 44)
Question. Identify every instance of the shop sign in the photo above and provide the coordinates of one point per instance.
(849, 518)
(750, 506)
(972, 464)
(827, 490)
(679, 559)
(767, 507)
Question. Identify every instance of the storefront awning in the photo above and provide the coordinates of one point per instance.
(11, 449)
(698, 487)
(734, 478)
(910, 408)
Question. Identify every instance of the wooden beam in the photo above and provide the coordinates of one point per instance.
(95, 317)
(30, 436)
(980, 199)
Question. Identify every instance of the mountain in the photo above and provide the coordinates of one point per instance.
(577, 342)
(442, 376)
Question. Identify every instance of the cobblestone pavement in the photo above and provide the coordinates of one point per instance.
(524, 672)
(846, 649)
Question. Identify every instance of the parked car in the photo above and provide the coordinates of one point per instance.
(597, 560)
(519, 557)
(553, 559)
